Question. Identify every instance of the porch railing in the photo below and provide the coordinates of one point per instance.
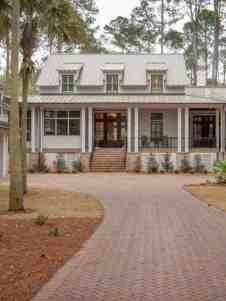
(169, 144)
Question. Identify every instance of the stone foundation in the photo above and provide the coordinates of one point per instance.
(133, 163)
(85, 159)
(207, 160)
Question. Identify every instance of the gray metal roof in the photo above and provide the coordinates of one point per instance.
(135, 68)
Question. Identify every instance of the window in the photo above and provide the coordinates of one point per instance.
(156, 125)
(67, 83)
(112, 83)
(156, 82)
(62, 123)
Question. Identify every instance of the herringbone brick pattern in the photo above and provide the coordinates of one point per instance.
(157, 243)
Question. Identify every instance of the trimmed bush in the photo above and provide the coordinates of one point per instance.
(76, 166)
(61, 165)
(220, 171)
(167, 165)
(198, 165)
(153, 166)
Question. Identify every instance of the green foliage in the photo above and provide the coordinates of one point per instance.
(153, 166)
(61, 165)
(41, 220)
(167, 165)
(56, 232)
(220, 171)
(76, 166)
(185, 165)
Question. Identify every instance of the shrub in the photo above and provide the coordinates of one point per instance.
(61, 165)
(167, 165)
(153, 166)
(55, 232)
(185, 165)
(41, 220)
(220, 171)
(76, 166)
(198, 165)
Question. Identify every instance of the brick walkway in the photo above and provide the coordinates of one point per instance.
(156, 243)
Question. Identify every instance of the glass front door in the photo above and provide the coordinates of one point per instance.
(204, 131)
(110, 129)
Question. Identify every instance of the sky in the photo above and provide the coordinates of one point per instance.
(110, 9)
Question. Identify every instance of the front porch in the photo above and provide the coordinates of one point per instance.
(154, 129)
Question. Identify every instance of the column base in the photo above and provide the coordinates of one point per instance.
(133, 163)
(85, 160)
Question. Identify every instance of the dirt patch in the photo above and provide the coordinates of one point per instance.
(30, 254)
(54, 203)
(211, 194)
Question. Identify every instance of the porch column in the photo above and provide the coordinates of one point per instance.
(83, 128)
(90, 120)
(186, 129)
(136, 130)
(33, 130)
(217, 130)
(222, 130)
(5, 155)
(41, 129)
(129, 130)
(179, 130)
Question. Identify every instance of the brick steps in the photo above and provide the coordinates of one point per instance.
(108, 160)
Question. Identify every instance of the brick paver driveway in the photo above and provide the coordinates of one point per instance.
(156, 243)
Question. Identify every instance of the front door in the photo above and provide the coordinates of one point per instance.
(110, 129)
(204, 131)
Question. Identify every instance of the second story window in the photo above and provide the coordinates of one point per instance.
(112, 83)
(156, 83)
(67, 83)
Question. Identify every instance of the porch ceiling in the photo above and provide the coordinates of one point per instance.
(170, 99)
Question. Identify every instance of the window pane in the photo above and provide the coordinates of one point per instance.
(112, 83)
(62, 114)
(74, 114)
(157, 82)
(49, 127)
(62, 126)
(74, 127)
(156, 125)
(50, 114)
(68, 83)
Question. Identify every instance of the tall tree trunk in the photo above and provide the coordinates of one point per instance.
(16, 189)
(25, 81)
(162, 26)
(216, 42)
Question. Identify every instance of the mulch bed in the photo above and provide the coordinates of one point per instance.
(29, 255)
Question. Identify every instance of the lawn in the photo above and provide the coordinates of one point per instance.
(30, 254)
(212, 194)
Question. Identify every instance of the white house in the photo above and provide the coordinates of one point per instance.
(111, 109)
(3, 135)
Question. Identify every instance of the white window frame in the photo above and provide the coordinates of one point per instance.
(68, 118)
(106, 83)
(61, 86)
(150, 74)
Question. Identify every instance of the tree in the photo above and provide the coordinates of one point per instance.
(206, 22)
(124, 34)
(16, 189)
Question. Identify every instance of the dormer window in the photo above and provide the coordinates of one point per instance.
(156, 83)
(67, 83)
(112, 83)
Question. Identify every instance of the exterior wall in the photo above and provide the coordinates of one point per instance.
(1, 155)
(169, 123)
(65, 142)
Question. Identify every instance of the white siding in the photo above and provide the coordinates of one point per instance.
(64, 142)
(1, 155)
